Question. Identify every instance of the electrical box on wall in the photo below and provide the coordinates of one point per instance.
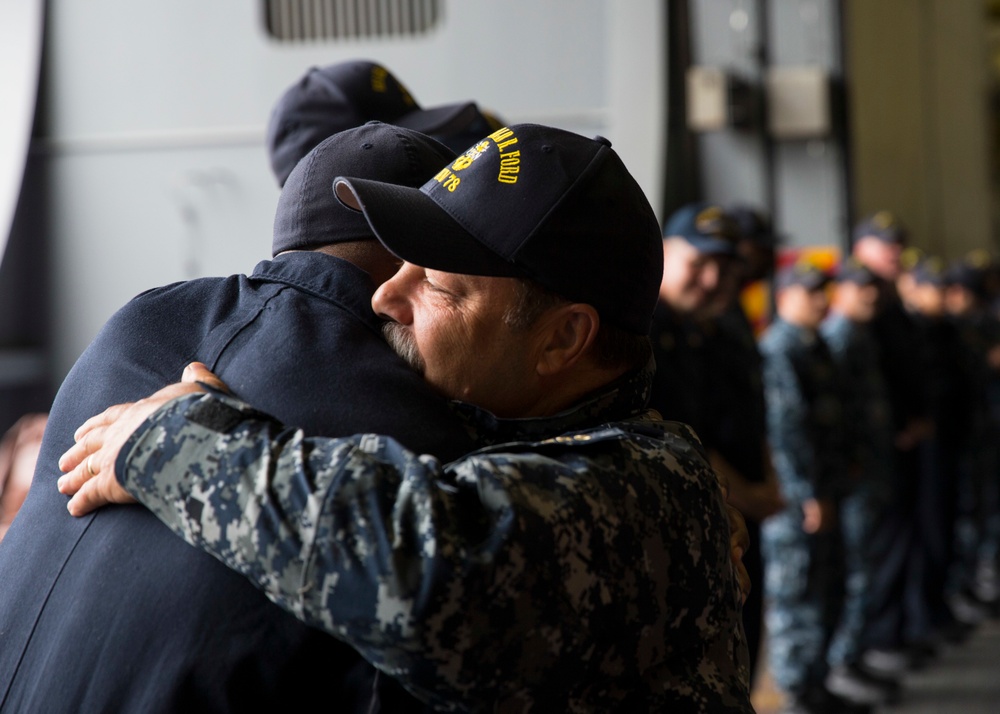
(706, 99)
(717, 100)
(798, 102)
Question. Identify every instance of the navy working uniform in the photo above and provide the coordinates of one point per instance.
(572, 568)
(950, 401)
(112, 612)
(896, 605)
(868, 437)
(801, 569)
(979, 333)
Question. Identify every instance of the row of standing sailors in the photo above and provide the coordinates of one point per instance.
(857, 432)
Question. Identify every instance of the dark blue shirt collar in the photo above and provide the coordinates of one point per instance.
(325, 276)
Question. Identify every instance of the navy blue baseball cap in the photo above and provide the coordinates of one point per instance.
(707, 227)
(341, 96)
(309, 215)
(534, 202)
(804, 273)
(883, 225)
(970, 272)
(929, 271)
(752, 225)
(852, 270)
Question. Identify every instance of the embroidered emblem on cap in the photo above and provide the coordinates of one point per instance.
(709, 221)
(884, 219)
(380, 83)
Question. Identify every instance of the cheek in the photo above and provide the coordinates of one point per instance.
(441, 341)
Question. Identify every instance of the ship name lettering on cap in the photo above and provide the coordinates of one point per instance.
(510, 162)
(446, 178)
(378, 78)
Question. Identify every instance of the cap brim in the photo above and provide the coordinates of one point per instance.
(414, 228)
(711, 246)
(446, 119)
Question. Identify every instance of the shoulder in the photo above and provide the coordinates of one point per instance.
(646, 455)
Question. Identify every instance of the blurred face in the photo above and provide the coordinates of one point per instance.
(451, 329)
(879, 256)
(857, 302)
(929, 299)
(803, 307)
(691, 279)
(958, 300)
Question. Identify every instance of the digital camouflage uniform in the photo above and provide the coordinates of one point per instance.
(978, 498)
(801, 570)
(583, 565)
(868, 438)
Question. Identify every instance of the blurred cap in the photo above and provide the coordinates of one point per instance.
(929, 271)
(752, 225)
(803, 273)
(852, 270)
(970, 271)
(707, 227)
(910, 258)
(884, 226)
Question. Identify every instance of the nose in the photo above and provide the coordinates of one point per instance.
(393, 299)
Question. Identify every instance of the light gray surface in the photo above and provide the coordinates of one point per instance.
(965, 679)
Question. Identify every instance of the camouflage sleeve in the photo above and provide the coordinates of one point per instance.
(486, 581)
(787, 417)
(339, 532)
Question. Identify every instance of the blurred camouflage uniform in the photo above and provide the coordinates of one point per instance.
(868, 438)
(979, 332)
(801, 570)
(581, 564)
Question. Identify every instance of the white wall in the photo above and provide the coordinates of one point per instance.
(20, 56)
(156, 114)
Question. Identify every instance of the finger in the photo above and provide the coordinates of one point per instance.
(196, 372)
(69, 483)
(97, 492)
(102, 419)
(85, 500)
(85, 467)
(89, 442)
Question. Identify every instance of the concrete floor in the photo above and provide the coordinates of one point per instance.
(964, 679)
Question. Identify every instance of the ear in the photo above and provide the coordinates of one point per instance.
(566, 336)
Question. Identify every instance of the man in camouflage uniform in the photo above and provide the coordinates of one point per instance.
(893, 632)
(974, 577)
(800, 544)
(582, 563)
(868, 439)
